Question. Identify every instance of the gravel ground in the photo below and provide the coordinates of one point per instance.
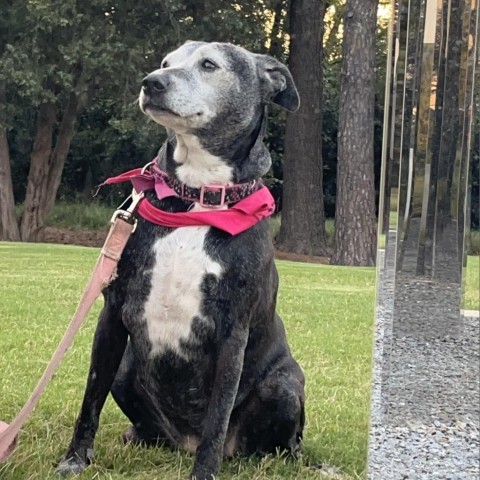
(420, 452)
(426, 392)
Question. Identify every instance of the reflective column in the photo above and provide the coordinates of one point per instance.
(425, 401)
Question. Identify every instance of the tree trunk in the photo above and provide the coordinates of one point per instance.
(303, 219)
(59, 155)
(46, 165)
(355, 223)
(32, 217)
(8, 219)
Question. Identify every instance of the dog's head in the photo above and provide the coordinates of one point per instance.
(218, 92)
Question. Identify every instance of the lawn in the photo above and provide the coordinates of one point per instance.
(328, 313)
(472, 279)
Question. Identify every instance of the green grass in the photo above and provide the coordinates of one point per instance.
(92, 216)
(328, 313)
(472, 289)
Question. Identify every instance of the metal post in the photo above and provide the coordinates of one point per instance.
(426, 399)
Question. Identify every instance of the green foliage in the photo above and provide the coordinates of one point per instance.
(92, 216)
(474, 243)
(102, 51)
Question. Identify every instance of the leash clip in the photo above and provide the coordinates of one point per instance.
(127, 214)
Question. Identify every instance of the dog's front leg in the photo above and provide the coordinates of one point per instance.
(107, 351)
(227, 377)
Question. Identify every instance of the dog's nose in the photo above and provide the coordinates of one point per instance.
(155, 83)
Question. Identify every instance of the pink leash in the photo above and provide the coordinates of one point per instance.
(102, 275)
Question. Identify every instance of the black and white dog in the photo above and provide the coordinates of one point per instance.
(188, 342)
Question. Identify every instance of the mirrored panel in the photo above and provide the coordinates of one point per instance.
(425, 403)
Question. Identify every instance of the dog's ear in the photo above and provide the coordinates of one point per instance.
(277, 82)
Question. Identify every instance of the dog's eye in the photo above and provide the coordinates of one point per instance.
(208, 65)
(164, 65)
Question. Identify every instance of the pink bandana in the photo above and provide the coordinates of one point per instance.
(236, 219)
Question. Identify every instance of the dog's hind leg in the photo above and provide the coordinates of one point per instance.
(108, 347)
(274, 416)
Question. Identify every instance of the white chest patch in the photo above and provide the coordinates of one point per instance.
(197, 166)
(175, 296)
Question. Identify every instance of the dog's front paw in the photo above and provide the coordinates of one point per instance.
(201, 476)
(73, 464)
(202, 473)
(208, 460)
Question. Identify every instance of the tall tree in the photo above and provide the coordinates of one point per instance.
(59, 58)
(48, 46)
(8, 220)
(355, 223)
(303, 219)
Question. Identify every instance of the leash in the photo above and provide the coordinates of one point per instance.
(123, 225)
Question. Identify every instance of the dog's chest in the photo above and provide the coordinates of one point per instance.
(174, 302)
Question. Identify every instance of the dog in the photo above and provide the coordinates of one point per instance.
(189, 343)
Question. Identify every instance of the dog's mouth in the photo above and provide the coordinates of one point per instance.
(159, 112)
(154, 110)
(148, 106)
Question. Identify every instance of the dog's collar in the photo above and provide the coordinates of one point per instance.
(245, 213)
(213, 196)
(210, 195)
(234, 220)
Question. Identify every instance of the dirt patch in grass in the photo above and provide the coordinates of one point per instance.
(96, 238)
(73, 236)
(295, 257)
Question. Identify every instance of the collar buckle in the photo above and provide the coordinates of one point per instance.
(213, 189)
